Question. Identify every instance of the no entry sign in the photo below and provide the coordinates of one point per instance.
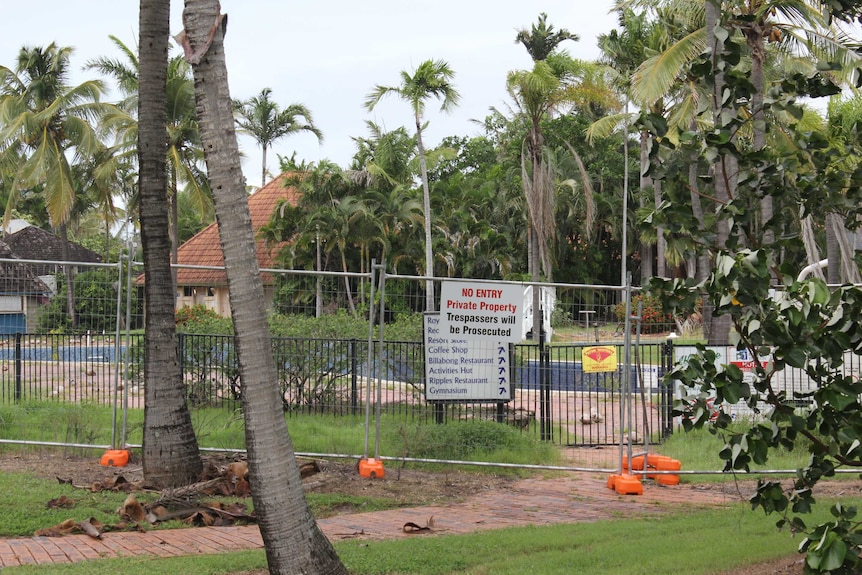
(482, 310)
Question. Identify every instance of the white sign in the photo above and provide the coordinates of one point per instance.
(463, 369)
(724, 356)
(482, 311)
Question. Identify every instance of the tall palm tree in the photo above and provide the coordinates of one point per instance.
(542, 40)
(431, 79)
(624, 50)
(538, 93)
(184, 154)
(294, 543)
(170, 450)
(47, 125)
(262, 119)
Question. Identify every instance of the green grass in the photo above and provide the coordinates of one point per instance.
(694, 541)
(698, 449)
(55, 421)
(473, 440)
(24, 499)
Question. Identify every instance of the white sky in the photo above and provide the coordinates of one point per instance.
(329, 54)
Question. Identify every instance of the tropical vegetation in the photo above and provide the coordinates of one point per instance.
(737, 187)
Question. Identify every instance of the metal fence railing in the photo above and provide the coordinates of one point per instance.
(48, 355)
(551, 394)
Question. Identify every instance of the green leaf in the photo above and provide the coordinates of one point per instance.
(795, 356)
(829, 554)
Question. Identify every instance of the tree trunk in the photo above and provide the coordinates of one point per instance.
(175, 230)
(170, 449)
(293, 541)
(848, 270)
(426, 205)
(833, 251)
(718, 328)
(263, 166)
(535, 277)
(69, 272)
(754, 39)
(535, 254)
(660, 244)
(645, 249)
(347, 289)
(702, 265)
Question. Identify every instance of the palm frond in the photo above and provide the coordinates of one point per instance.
(657, 75)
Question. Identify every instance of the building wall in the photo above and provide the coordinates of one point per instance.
(215, 298)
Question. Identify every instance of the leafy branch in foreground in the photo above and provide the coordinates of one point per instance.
(755, 298)
(807, 327)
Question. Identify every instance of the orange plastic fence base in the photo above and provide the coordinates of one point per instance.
(371, 467)
(657, 463)
(625, 484)
(115, 458)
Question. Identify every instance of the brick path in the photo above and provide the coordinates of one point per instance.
(569, 499)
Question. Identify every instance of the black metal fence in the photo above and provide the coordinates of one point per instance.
(551, 394)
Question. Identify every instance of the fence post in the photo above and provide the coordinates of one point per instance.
(18, 367)
(181, 349)
(354, 378)
(544, 390)
(667, 388)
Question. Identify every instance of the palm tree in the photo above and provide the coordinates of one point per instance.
(325, 215)
(796, 27)
(293, 541)
(100, 179)
(432, 78)
(170, 450)
(184, 154)
(538, 93)
(541, 40)
(624, 51)
(262, 119)
(46, 126)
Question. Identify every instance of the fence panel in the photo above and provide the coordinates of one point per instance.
(98, 353)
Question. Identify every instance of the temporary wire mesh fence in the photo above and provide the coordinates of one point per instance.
(326, 369)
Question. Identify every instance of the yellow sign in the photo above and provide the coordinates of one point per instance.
(599, 358)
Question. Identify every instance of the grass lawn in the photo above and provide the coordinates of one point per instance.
(699, 542)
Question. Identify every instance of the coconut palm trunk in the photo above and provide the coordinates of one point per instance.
(170, 450)
(294, 543)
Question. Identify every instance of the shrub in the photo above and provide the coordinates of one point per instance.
(465, 439)
(201, 319)
(654, 319)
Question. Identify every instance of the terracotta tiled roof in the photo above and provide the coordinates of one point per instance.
(204, 249)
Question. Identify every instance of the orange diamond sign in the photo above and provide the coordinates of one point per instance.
(599, 358)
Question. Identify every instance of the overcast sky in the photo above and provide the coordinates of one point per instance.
(328, 54)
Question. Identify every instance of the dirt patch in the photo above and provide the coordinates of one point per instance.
(402, 486)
